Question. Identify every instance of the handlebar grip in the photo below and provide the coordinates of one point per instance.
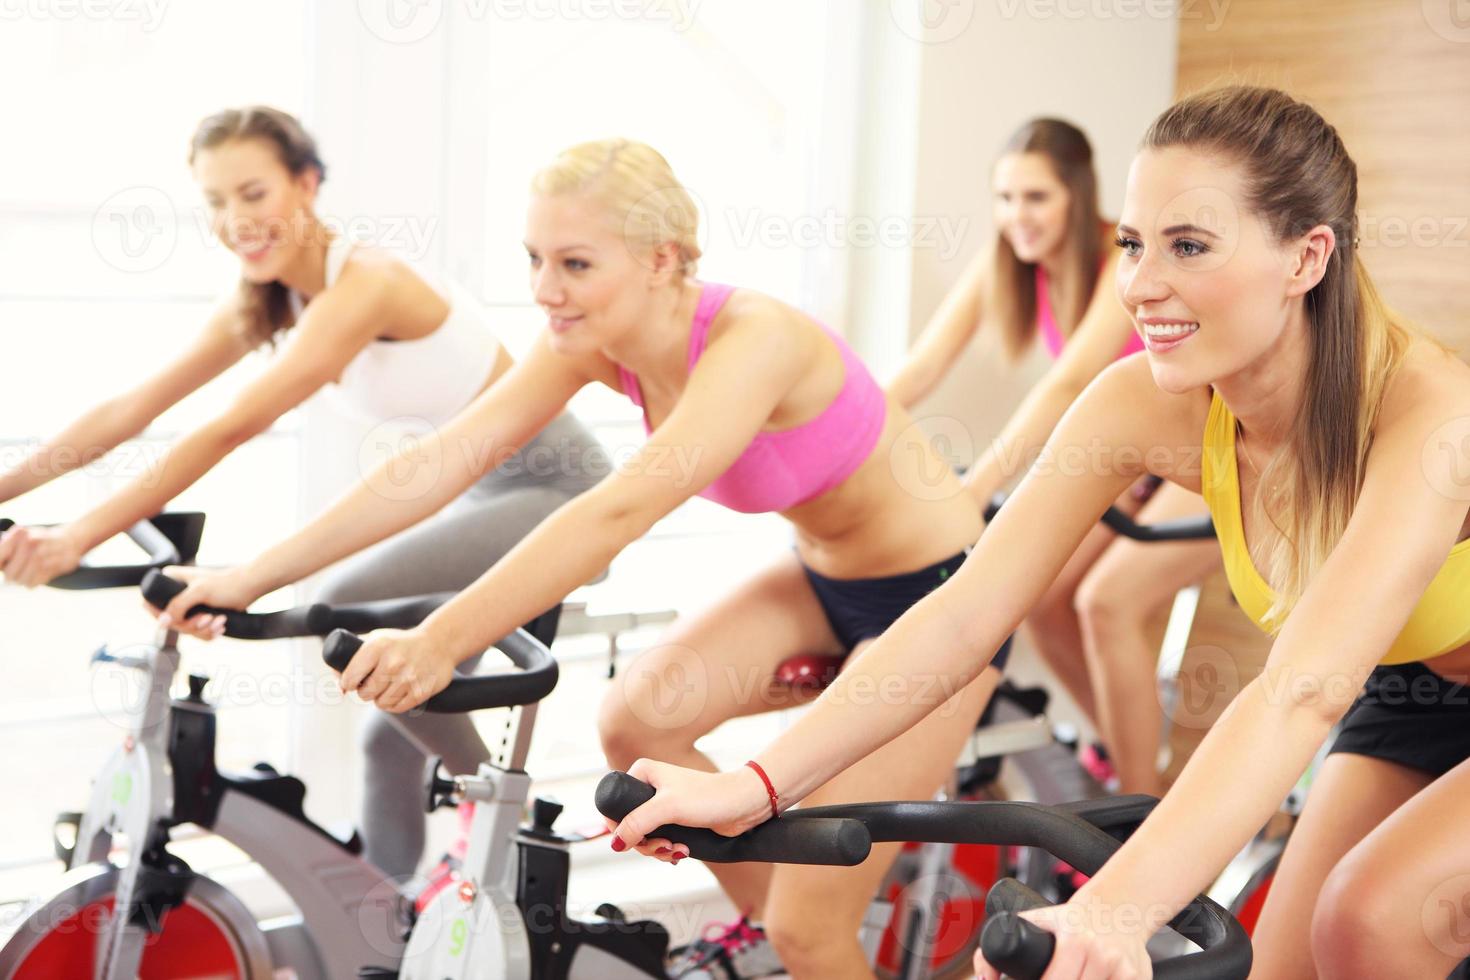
(312, 620)
(339, 648)
(1016, 947)
(160, 548)
(534, 681)
(1020, 949)
(793, 839)
(160, 590)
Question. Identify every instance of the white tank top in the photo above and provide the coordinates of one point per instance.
(423, 382)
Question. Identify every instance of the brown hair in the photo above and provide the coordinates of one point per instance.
(1014, 292)
(265, 308)
(1298, 175)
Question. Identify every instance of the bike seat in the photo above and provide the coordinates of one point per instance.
(811, 672)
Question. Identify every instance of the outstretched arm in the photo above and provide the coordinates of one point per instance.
(731, 394)
(1104, 330)
(336, 326)
(944, 336)
(403, 490)
(950, 636)
(116, 420)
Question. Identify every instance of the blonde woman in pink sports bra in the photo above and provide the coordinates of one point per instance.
(1050, 274)
(748, 402)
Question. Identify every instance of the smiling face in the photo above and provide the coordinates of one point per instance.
(584, 273)
(1208, 285)
(1030, 207)
(257, 208)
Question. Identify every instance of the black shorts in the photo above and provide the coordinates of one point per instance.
(862, 608)
(1410, 715)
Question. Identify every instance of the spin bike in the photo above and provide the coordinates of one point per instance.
(127, 907)
(1084, 834)
(508, 918)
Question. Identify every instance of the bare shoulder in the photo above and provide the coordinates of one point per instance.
(1162, 430)
(1175, 416)
(1431, 387)
(778, 328)
(370, 267)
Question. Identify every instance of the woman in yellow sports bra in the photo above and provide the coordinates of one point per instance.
(1331, 443)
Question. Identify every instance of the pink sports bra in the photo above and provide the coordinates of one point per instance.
(779, 470)
(1046, 323)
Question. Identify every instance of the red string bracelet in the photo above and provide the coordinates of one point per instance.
(770, 790)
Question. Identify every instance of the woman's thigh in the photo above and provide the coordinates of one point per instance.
(721, 662)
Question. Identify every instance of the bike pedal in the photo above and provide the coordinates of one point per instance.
(610, 912)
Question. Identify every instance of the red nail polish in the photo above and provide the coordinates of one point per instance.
(617, 845)
(661, 850)
(677, 858)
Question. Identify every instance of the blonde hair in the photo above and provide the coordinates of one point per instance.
(1070, 154)
(636, 185)
(1298, 175)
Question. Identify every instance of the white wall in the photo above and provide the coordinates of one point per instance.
(948, 103)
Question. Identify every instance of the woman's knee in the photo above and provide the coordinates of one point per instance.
(1106, 604)
(810, 936)
(660, 699)
(1354, 921)
(627, 724)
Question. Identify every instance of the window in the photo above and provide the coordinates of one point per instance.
(105, 268)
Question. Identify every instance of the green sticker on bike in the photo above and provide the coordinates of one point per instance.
(122, 788)
(457, 935)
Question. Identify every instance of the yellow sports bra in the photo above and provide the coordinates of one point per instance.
(1440, 622)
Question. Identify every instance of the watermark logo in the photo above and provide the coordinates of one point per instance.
(148, 14)
(932, 21)
(926, 455)
(1445, 916)
(835, 229)
(410, 21)
(1445, 459)
(667, 687)
(401, 459)
(1208, 681)
(664, 215)
(1211, 11)
(400, 21)
(386, 911)
(119, 692)
(136, 229)
(1450, 19)
(1199, 229)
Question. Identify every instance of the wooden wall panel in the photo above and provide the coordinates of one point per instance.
(1394, 77)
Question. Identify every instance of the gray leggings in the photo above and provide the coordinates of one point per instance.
(444, 554)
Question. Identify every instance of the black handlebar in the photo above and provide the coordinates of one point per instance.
(312, 620)
(796, 838)
(1083, 834)
(167, 539)
(525, 648)
(536, 679)
(1199, 528)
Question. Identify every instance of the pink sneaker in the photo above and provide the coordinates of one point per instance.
(1094, 759)
(727, 952)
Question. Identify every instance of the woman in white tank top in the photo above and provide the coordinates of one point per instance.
(390, 342)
